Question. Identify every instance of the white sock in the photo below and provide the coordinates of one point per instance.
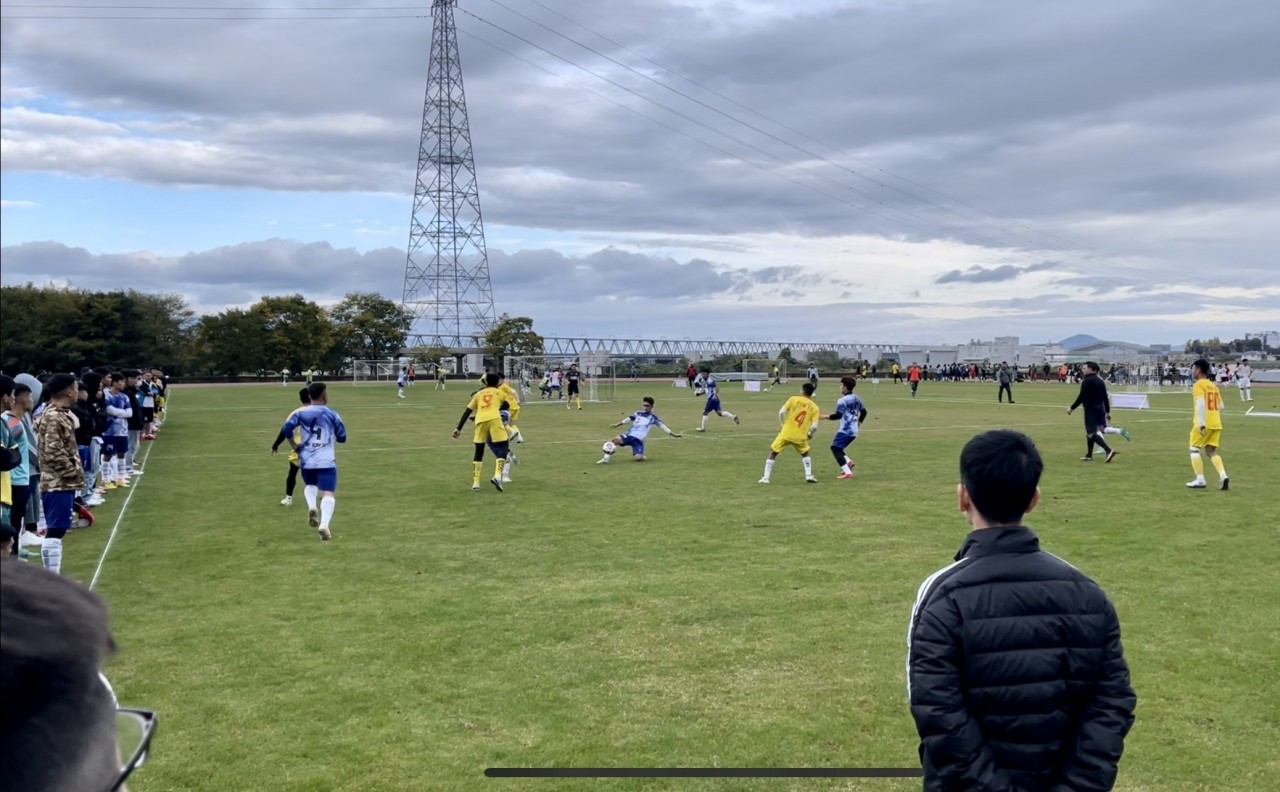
(113, 469)
(51, 555)
(309, 492)
(768, 468)
(1248, 394)
(326, 509)
(605, 459)
(704, 422)
(1112, 430)
(845, 467)
(728, 415)
(808, 467)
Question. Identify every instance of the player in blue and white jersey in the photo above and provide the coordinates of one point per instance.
(641, 421)
(713, 400)
(321, 429)
(115, 438)
(850, 412)
(402, 380)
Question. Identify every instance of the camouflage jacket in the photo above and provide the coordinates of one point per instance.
(60, 467)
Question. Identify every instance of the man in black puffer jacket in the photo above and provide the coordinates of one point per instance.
(1015, 672)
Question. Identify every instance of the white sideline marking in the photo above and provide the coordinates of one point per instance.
(120, 517)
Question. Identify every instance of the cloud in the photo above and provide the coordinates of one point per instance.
(8, 204)
(1004, 272)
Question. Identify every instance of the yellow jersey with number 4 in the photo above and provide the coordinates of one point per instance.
(801, 412)
(1205, 389)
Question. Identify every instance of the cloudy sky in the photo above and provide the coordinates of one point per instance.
(846, 170)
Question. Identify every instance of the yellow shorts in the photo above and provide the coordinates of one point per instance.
(1211, 437)
(490, 431)
(780, 443)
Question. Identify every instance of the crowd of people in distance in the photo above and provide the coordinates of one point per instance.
(68, 442)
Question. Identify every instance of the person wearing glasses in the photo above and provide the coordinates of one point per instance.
(60, 725)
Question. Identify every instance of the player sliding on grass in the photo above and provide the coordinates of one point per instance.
(641, 421)
(486, 405)
(799, 418)
(850, 412)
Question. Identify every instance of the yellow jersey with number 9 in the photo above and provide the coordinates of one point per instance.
(801, 413)
(1205, 389)
(486, 404)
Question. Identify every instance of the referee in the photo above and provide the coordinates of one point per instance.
(1097, 411)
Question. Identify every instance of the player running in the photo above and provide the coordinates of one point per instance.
(641, 421)
(799, 418)
(1097, 412)
(486, 406)
(850, 412)
(513, 408)
(291, 480)
(321, 429)
(713, 400)
(1206, 429)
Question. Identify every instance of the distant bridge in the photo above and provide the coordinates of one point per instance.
(661, 347)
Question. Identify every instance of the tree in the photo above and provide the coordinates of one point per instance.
(299, 334)
(368, 326)
(512, 335)
(824, 360)
(785, 354)
(233, 342)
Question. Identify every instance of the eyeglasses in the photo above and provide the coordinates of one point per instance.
(134, 730)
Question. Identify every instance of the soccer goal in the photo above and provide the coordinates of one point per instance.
(762, 370)
(364, 372)
(532, 377)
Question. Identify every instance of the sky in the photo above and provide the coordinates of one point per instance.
(854, 171)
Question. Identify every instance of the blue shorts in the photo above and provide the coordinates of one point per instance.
(116, 445)
(324, 478)
(58, 508)
(713, 405)
(636, 444)
(843, 440)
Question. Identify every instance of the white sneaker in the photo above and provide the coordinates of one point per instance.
(29, 539)
(288, 501)
(1197, 484)
(763, 481)
(94, 501)
(324, 533)
(506, 479)
(810, 480)
(136, 472)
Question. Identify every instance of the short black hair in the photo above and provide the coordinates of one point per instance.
(705, 370)
(491, 380)
(1093, 366)
(808, 388)
(1001, 469)
(648, 400)
(20, 389)
(6, 385)
(55, 639)
(304, 394)
(1202, 365)
(849, 382)
(317, 390)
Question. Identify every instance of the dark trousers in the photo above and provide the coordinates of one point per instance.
(291, 482)
(18, 511)
(1005, 388)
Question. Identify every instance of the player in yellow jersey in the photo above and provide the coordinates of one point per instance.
(799, 418)
(486, 406)
(1206, 428)
(513, 406)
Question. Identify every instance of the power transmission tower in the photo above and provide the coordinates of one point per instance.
(446, 274)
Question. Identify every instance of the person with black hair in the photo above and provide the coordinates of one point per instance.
(1015, 671)
(850, 412)
(1097, 412)
(291, 480)
(61, 474)
(135, 424)
(321, 428)
(10, 455)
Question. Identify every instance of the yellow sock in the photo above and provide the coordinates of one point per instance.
(498, 464)
(1197, 465)
(1219, 465)
(475, 472)
(579, 402)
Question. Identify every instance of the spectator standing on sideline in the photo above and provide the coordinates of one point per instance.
(134, 423)
(61, 473)
(1015, 671)
(1005, 378)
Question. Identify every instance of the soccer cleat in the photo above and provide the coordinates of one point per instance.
(845, 476)
(1197, 484)
(736, 421)
(604, 461)
(94, 501)
(497, 483)
(763, 481)
(123, 483)
(700, 429)
(1086, 458)
(1125, 434)
(1111, 454)
(1223, 485)
(136, 472)
(313, 518)
(110, 485)
(475, 486)
(810, 480)
(324, 533)
(288, 501)
(506, 479)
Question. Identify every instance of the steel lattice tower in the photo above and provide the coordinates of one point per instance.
(446, 274)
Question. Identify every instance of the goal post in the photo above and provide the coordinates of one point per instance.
(364, 372)
(530, 375)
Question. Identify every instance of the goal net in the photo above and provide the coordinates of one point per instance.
(367, 371)
(532, 377)
(764, 370)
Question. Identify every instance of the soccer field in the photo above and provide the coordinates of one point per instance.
(670, 613)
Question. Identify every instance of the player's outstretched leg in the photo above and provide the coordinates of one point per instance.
(1117, 430)
(768, 468)
(808, 469)
(477, 464)
(327, 504)
(310, 492)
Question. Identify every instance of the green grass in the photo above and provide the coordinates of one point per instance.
(671, 613)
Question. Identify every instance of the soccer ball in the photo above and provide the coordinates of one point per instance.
(610, 447)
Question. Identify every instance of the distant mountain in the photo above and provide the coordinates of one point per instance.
(1077, 341)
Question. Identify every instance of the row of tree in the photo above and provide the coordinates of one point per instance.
(1213, 347)
(45, 328)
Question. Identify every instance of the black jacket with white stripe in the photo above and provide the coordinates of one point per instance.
(1015, 672)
